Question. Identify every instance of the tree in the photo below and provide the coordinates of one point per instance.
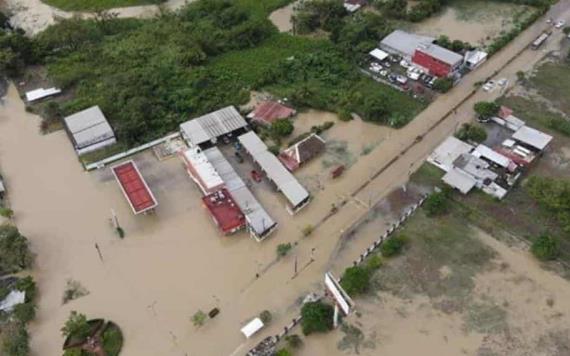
(283, 249)
(545, 248)
(199, 318)
(375, 108)
(356, 280)
(393, 246)
(486, 109)
(293, 341)
(443, 85)
(76, 326)
(15, 253)
(15, 340)
(265, 316)
(317, 317)
(395, 8)
(469, 132)
(282, 127)
(25, 312)
(436, 204)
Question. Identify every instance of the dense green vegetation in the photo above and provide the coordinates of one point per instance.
(471, 132)
(13, 329)
(355, 280)
(486, 109)
(15, 254)
(92, 5)
(545, 248)
(554, 195)
(393, 246)
(317, 317)
(537, 113)
(148, 76)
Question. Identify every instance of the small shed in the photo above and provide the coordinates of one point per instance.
(89, 130)
(268, 112)
(475, 58)
(378, 54)
(533, 138)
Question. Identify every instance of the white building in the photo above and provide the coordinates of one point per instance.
(89, 130)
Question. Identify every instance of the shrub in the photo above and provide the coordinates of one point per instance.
(25, 312)
(436, 204)
(443, 85)
(15, 253)
(307, 230)
(317, 317)
(470, 132)
(283, 352)
(6, 212)
(199, 318)
(265, 316)
(112, 339)
(274, 149)
(545, 248)
(76, 326)
(356, 280)
(293, 341)
(486, 109)
(283, 249)
(15, 340)
(73, 290)
(27, 285)
(374, 263)
(344, 115)
(393, 246)
(282, 127)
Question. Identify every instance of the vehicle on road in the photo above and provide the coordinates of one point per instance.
(489, 86)
(539, 41)
(503, 82)
(560, 23)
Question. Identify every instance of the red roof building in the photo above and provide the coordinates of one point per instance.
(224, 211)
(269, 111)
(437, 60)
(301, 152)
(134, 187)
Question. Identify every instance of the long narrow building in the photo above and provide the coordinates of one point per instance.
(285, 182)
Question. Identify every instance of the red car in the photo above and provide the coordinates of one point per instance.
(256, 176)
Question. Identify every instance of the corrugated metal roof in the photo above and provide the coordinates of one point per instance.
(274, 169)
(212, 125)
(404, 42)
(532, 137)
(496, 157)
(447, 152)
(459, 180)
(88, 127)
(257, 218)
(442, 54)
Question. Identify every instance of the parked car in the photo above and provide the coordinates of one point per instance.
(394, 59)
(489, 86)
(383, 73)
(560, 23)
(503, 82)
(387, 64)
(392, 78)
(401, 79)
(431, 82)
(404, 63)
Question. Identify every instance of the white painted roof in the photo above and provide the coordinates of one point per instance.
(2, 188)
(208, 174)
(213, 125)
(257, 217)
(88, 127)
(274, 169)
(379, 54)
(447, 152)
(491, 155)
(41, 93)
(404, 42)
(252, 327)
(532, 137)
(459, 180)
(514, 123)
(475, 57)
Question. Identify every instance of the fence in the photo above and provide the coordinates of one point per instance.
(267, 346)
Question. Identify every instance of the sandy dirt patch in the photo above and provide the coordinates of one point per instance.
(281, 18)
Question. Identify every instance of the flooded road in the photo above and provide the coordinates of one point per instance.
(173, 263)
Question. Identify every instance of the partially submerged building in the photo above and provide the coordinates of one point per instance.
(224, 211)
(296, 195)
(207, 129)
(267, 112)
(436, 60)
(201, 170)
(134, 187)
(475, 58)
(302, 152)
(259, 223)
(89, 130)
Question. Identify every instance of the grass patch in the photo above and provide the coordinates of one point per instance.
(427, 175)
(485, 317)
(92, 5)
(548, 80)
(436, 244)
(103, 153)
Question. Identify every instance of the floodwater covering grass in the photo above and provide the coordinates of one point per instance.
(537, 114)
(90, 5)
(550, 81)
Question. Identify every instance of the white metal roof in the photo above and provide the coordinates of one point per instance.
(252, 327)
(404, 42)
(442, 54)
(475, 57)
(88, 127)
(459, 180)
(491, 155)
(13, 298)
(212, 125)
(447, 152)
(532, 137)
(257, 218)
(41, 93)
(379, 54)
(2, 188)
(208, 174)
(514, 123)
(274, 169)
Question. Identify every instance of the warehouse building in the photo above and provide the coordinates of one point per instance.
(208, 129)
(437, 60)
(89, 130)
(404, 44)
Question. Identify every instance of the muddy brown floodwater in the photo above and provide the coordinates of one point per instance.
(281, 18)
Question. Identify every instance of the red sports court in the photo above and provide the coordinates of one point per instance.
(134, 187)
